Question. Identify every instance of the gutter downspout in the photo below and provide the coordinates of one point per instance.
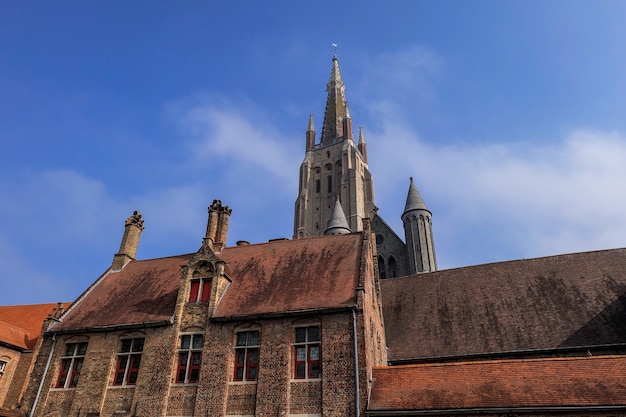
(43, 376)
(356, 366)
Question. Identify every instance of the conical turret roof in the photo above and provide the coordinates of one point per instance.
(337, 224)
(414, 200)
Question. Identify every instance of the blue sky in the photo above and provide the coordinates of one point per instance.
(509, 115)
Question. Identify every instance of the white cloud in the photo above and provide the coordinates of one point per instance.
(567, 195)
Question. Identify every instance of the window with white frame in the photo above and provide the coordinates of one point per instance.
(128, 361)
(189, 358)
(307, 353)
(247, 356)
(71, 365)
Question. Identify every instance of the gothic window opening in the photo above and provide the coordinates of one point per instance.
(330, 183)
(381, 267)
(71, 365)
(128, 361)
(189, 358)
(307, 353)
(3, 365)
(318, 186)
(391, 266)
(200, 291)
(247, 356)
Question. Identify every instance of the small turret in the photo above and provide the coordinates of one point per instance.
(362, 145)
(310, 134)
(130, 241)
(337, 224)
(217, 226)
(417, 221)
(347, 125)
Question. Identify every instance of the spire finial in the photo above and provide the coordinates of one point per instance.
(335, 47)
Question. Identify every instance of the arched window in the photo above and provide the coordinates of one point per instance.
(391, 264)
(381, 267)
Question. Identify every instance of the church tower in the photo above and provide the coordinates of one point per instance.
(335, 168)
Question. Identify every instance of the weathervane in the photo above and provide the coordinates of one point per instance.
(334, 45)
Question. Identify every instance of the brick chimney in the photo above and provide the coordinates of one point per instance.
(130, 241)
(217, 226)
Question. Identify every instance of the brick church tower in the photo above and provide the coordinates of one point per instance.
(334, 175)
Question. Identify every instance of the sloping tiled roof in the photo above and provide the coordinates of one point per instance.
(21, 325)
(293, 275)
(559, 301)
(142, 292)
(563, 382)
(275, 277)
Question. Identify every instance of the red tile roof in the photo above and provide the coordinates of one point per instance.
(554, 302)
(292, 275)
(21, 325)
(275, 277)
(573, 382)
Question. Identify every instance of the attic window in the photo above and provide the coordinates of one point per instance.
(200, 291)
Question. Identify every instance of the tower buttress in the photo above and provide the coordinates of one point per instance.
(417, 221)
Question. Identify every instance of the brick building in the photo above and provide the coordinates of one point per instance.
(346, 319)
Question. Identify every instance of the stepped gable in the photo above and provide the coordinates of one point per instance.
(560, 301)
(593, 381)
(143, 292)
(21, 325)
(275, 277)
(292, 275)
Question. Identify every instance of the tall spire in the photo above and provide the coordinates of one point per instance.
(335, 106)
(337, 224)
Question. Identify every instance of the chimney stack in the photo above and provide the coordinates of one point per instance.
(130, 241)
(217, 226)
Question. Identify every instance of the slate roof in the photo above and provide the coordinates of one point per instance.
(275, 277)
(563, 382)
(553, 302)
(20, 325)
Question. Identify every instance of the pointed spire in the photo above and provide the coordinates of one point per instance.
(414, 200)
(335, 106)
(347, 124)
(337, 224)
(310, 134)
(362, 146)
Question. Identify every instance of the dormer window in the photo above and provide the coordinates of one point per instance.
(200, 291)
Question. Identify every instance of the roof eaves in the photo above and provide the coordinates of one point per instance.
(278, 314)
(125, 326)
